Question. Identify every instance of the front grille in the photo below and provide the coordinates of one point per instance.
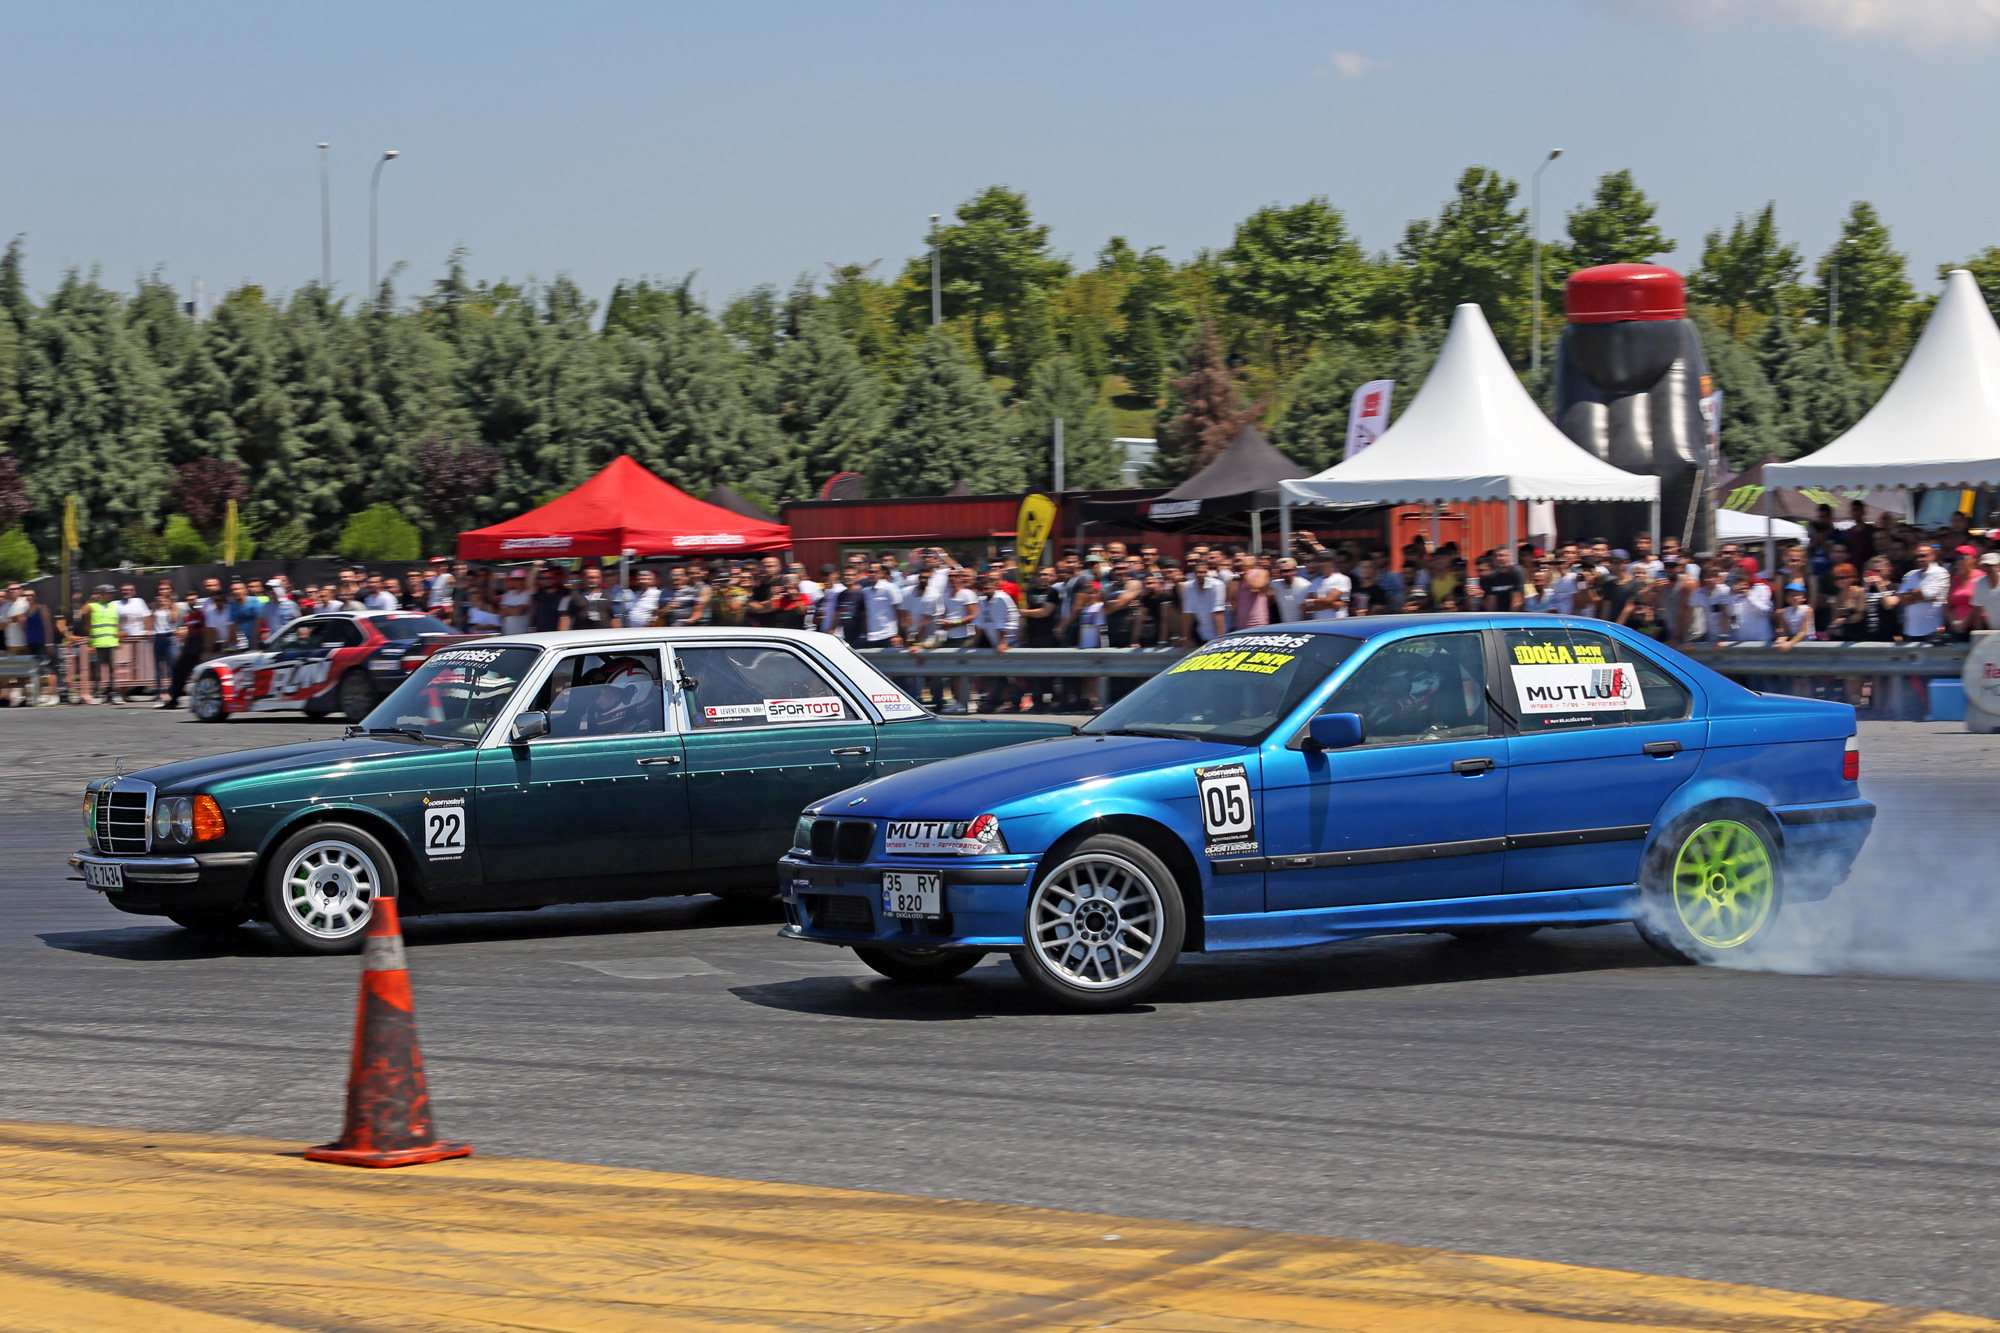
(838, 911)
(856, 840)
(124, 823)
(842, 839)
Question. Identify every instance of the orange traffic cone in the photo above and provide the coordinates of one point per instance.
(388, 1111)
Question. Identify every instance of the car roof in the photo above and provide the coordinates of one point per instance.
(1367, 627)
(585, 637)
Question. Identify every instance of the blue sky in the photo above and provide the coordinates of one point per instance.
(755, 141)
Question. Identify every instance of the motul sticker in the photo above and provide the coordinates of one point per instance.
(893, 705)
(1612, 688)
(803, 710)
(444, 827)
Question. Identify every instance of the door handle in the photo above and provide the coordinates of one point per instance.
(846, 750)
(662, 761)
(1662, 749)
(1472, 768)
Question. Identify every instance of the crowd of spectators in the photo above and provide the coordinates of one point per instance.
(1849, 580)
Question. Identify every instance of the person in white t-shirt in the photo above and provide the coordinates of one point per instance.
(1922, 595)
(516, 604)
(1327, 597)
(1202, 594)
(1290, 590)
(882, 603)
(1986, 591)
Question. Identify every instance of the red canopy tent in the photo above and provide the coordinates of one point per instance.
(622, 508)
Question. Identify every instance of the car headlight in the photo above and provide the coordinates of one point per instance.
(90, 816)
(802, 834)
(173, 820)
(983, 837)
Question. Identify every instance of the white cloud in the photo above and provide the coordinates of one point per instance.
(1917, 23)
(1347, 64)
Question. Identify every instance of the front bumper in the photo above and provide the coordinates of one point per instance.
(204, 881)
(985, 902)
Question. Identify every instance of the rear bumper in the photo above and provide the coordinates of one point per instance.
(984, 903)
(154, 885)
(1821, 842)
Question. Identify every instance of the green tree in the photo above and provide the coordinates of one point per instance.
(948, 427)
(1817, 396)
(1313, 430)
(184, 545)
(830, 405)
(1874, 293)
(1752, 418)
(864, 310)
(1091, 460)
(1985, 269)
(380, 532)
(1615, 227)
(1300, 271)
(1415, 354)
(989, 260)
(1751, 268)
(18, 559)
(1477, 250)
(1156, 315)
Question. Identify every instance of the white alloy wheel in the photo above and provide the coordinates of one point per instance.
(329, 889)
(205, 698)
(1096, 921)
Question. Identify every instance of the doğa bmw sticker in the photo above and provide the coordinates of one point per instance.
(1228, 816)
(1551, 677)
(444, 827)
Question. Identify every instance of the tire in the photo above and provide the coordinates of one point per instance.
(921, 964)
(1103, 926)
(357, 695)
(205, 698)
(320, 886)
(209, 923)
(1713, 888)
(1492, 935)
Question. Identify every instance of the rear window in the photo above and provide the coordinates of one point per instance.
(409, 627)
(1562, 678)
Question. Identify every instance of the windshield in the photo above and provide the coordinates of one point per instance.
(456, 693)
(409, 627)
(1232, 689)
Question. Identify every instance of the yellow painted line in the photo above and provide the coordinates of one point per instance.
(116, 1229)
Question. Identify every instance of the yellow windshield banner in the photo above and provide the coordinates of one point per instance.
(1263, 664)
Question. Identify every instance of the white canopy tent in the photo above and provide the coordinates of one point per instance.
(1939, 422)
(1733, 525)
(1472, 434)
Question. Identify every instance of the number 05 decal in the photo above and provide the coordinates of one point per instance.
(444, 828)
(1228, 815)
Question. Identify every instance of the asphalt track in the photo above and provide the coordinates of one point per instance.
(1570, 1099)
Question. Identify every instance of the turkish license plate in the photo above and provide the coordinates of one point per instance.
(101, 876)
(912, 893)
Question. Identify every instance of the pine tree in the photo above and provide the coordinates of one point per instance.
(1204, 411)
(1615, 227)
(1750, 269)
(1318, 400)
(1817, 397)
(93, 414)
(544, 392)
(1091, 460)
(948, 427)
(328, 476)
(1751, 416)
(1874, 292)
(829, 404)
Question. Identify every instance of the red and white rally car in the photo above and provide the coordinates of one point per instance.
(320, 663)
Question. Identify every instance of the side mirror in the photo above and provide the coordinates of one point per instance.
(528, 726)
(1335, 731)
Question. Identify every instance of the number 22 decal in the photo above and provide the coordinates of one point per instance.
(444, 828)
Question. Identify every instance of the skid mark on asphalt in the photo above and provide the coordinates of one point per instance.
(120, 1229)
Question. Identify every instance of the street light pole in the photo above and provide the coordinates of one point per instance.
(325, 225)
(937, 294)
(374, 217)
(1535, 225)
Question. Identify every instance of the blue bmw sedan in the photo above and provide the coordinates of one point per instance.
(1480, 775)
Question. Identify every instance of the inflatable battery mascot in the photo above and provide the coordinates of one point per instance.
(1630, 380)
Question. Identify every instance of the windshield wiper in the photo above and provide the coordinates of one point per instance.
(412, 733)
(1163, 735)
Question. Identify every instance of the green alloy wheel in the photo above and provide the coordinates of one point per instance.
(1720, 894)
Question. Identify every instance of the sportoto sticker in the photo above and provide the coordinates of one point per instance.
(1580, 688)
(1228, 816)
(444, 828)
(803, 710)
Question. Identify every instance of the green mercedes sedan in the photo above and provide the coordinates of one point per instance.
(514, 772)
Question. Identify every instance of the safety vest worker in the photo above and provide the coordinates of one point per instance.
(103, 625)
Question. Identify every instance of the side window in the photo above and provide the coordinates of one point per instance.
(604, 694)
(1425, 689)
(1568, 678)
(298, 634)
(757, 687)
(339, 634)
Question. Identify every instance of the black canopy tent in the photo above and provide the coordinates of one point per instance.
(1226, 496)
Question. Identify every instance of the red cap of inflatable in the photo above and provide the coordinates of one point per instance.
(1613, 292)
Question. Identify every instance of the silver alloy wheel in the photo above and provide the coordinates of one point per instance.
(1096, 921)
(330, 888)
(205, 698)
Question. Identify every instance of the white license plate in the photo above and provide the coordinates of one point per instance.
(918, 893)
(100, 876)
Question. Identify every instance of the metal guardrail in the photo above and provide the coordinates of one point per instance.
(1736, 659)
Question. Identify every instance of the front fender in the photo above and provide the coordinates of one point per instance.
(409, 872)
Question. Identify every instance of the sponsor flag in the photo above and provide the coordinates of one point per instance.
(1032, 527)
(230, 534)
(1370, 415)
